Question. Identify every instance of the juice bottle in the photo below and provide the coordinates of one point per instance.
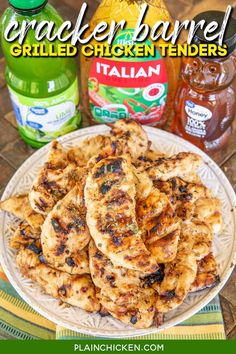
(105, 97)
(43, 90)
(205, 102)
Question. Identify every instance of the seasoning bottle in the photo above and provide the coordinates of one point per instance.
(142, 88)
(205, 102)
(43, 90)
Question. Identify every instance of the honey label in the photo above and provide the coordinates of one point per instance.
(197, 116)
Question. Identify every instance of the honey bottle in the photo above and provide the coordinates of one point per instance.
(142, 88)
(205, 102)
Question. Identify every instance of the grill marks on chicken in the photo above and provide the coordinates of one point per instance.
(129, 137)
(207, 274)
(182, 165)
(178, 276)
(76, 290)
(182, 195)
(136, 306)
(54, 181)
(65, 233)
(192, 200)
(160, 225)
(23, 235)
(148, 159)
(106, 275)
(122, 291)
(111, 217)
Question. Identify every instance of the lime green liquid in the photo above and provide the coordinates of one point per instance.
(38, 77)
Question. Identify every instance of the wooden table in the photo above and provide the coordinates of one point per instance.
(13, 151)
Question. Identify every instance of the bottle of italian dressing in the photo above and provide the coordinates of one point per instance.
(138, 87)
(43, 90)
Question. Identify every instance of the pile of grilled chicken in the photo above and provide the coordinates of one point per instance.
(113, 227)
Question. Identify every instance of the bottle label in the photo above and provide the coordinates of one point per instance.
(47, 118)
(197, 117)
(128, 87)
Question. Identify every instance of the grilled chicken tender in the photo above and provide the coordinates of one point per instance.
(207, 274)
(178, 276)
(152, 206)
(182, 195)
(88, 148)
(209, 211)
(106, 275)
(143, 184)
(121, 292)
(181, 165)
(163, 236)
(201, 237)
(179, 191)
(23, 235)
(148, 159)
(181, 275)
(111, 217)
(162, 226)
(76, 290)
(129, 138)
(136, 306)
(19, 205)
(65, 233)
(56, 178)
(192, 200)
(75, 263)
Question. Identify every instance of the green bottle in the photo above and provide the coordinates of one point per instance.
(43, 90)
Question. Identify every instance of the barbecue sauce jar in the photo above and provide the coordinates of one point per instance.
(205, 102)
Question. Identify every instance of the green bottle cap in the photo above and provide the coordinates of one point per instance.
(26, 4)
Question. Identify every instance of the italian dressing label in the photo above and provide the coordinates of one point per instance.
(197, 117)
(128, 87)
(47, 118)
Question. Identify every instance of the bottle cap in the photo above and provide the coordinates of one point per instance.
(27, 4)
(218, 16)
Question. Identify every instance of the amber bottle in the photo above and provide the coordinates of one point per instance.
(139, 88)
(205, 103)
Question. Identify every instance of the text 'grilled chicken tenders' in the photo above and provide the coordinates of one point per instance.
(111, 216)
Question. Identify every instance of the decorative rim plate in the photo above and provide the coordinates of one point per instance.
(224, 245)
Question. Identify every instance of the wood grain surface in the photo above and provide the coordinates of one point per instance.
(13, 151)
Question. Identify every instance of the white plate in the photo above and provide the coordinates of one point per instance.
(224, 245)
